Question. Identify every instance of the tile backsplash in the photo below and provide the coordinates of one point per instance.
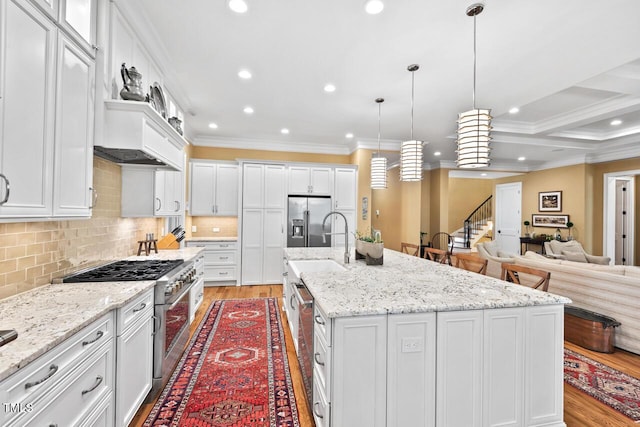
(228, 226)
(33, 253)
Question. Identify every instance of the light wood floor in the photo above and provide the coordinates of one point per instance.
(580, 410)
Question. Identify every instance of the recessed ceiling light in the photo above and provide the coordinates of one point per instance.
(437, 153)
(248, 110)
(213, 125)
(244, 74)
(284, 131)
(616, 122)
(329, 87)
(521, 158)
(349, 135)
(238, 6)
(514, 110)
(373, 7)
(483, 174)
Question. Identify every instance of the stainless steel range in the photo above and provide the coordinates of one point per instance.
(174, 279)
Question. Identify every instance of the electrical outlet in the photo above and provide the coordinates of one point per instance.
(194, 229)
(411, 345)
(216, 229)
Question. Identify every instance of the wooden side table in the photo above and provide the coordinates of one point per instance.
(147, 246)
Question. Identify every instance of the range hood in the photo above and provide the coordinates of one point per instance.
(135, 133)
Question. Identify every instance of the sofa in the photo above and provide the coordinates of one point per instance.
(612, 290)
(573, 251)
(495, 257)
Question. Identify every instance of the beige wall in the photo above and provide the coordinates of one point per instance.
(425, 200)
(411, 212)
(362, 158)
(215, 153)
(388, 202)
(33, 253)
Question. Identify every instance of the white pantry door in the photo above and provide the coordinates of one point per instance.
(508, 216)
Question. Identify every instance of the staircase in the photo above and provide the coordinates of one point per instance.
(475, 227)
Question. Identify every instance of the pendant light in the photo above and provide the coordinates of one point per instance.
(379, 163)
(411, 151)
(474, 126)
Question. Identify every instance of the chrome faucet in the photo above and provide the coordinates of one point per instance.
(346, 234)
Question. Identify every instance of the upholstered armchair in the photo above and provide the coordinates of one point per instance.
(572, 251)
(494, 256)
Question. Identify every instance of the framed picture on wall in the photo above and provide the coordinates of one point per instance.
(551, 221)
(550, 201)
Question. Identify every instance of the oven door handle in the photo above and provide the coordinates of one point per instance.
(301, 301)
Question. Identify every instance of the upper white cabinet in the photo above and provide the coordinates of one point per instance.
(79, 19)
(147, 192)
(48, 80)
(345, 192)
(214, 188)
(317, 181)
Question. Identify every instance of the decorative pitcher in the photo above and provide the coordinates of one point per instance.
(132, 88)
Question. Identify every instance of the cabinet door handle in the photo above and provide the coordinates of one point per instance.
(7, 187)
(94, 197)
(155, 328)
(319, 320)
(52, 370)
(315, 405)
(285, 273)
(95, 386)
(142, 306)
(213, 208)
(159, 203)
(293, 297)
(315, 357)
(99, 335)
(177, 206)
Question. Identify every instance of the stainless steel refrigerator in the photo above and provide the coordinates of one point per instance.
(304, 222)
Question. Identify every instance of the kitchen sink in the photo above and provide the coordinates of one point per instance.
(314, 266)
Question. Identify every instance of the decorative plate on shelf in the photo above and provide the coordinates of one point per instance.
(156, 99)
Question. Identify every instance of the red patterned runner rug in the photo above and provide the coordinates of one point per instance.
(234, 373)
(610, 386)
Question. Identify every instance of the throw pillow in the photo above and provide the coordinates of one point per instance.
(575, 256)
(595, 259)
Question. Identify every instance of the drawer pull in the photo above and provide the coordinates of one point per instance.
(52, 370)
(223, 273)
(224, 246)
(315, 405)
(53, 425)
(98, 382)
(99, 335)
(224, 257)
(319, 319)
(285, 273)
(142, 306)
(293, 297)
(315, 357)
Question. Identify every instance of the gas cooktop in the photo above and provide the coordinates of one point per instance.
(126, 271)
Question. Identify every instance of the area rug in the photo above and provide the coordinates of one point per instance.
(234, 373)
(610, 386)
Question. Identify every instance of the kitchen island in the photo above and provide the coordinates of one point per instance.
(418, 343)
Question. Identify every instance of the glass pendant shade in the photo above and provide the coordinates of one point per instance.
(378, 173)
(474, 127)
(411, 161)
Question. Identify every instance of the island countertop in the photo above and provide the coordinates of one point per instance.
(408, 284)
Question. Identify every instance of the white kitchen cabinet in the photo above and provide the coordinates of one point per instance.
(317, 181)
(79, 19)
(338, 227)
(51, 81)
(134, 366)
(345, 192)
(214, 188)
(263, 221)
(73, 165)
(148, 192)
(220, 261)
(78, 374)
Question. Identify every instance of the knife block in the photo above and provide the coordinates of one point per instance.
(168, 242)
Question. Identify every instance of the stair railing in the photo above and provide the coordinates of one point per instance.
(476, 220)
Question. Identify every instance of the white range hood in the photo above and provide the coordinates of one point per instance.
(135, 133)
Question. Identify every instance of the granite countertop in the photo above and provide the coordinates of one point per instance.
(408, 284)
(212, 239)
(46, 316)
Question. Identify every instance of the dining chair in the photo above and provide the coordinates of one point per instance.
(409, 248)
(442, 240)
(437, 255)
(527, 276)
(471, 262)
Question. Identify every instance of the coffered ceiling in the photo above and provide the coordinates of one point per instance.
(571, 67)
